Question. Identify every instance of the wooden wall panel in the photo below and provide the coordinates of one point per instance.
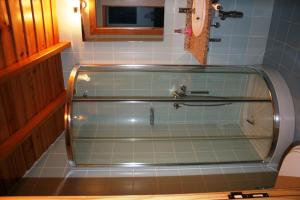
(29, 27)
(13, 169)
(29, 101)
(6, 38)
(38, 145)
(2, 61)
(4, 129)
(41, 84)
(39, 24)
(17, 27)
(29, 153)
(48, 82)
(46, 4)
(2, 188)
(28, 37)
(11, 118)
(37, 87)
(17, 98)
(54, 22)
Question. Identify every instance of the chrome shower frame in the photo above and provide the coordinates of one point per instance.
(163, 68)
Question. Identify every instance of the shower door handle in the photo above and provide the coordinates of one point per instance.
(199, 92)
(152, 116)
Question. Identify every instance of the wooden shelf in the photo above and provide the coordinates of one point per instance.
(14, 69)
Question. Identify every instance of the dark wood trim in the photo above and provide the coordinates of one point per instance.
(31, 61)
(92, 15)
(94, 30)
(104, 16)
(146, 3)
(128, 31)
(15, 140)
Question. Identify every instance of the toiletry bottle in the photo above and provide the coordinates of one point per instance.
(187, 31)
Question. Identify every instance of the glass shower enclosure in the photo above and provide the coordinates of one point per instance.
(137, 115)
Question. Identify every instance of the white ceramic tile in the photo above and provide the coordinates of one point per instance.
(53, 172)
(169, 23)
(263, 8)
(169, 6)
(84, 58)
(260, 26)
(142, 47)
(256, 45)
(163, 46)
(123, 58)
(178, 43)
(181, 58)
(67, 60)
(142, 58)
(123, 47)
(103, 58)
(162, 58)
(103, 47)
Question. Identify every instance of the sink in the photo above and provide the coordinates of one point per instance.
(198, 16)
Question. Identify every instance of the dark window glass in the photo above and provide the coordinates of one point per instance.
(122, 15)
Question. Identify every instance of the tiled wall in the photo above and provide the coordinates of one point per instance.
(160, 84)
(170, 51)
(133, 83)
(153, 84)
(282, 52)
(243, 40)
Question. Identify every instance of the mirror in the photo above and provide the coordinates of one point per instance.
(129, 20)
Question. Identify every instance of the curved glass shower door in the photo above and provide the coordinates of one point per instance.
(169, 115)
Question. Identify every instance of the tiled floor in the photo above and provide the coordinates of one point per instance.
(52, 175)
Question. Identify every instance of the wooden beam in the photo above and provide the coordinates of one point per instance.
(273, 193)
(26, 63)
(14, 141)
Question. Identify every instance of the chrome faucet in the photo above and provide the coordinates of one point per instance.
(217, 7)
(179, 92)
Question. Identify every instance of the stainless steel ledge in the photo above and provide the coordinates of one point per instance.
(135, 99)
(133, 139)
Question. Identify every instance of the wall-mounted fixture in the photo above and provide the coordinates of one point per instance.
(217, 7)
(216, 25)
(78, 4)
